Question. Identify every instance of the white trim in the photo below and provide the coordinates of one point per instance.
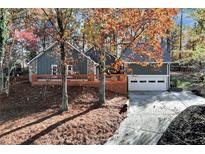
(111, 54)
(145, 75)
(95, 70)
(88, 49)
(152, 82)
(54, 65)
(36, 67)
(105, 52)
(71, 68)
(30, 73)
(69, 71)
(81, 52)
(39, 55)
(146, 62)
(169, 76)
(42, 52)
(51, 46)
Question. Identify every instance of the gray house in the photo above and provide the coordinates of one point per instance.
(47, 63)
(95, 56)
(147, 78)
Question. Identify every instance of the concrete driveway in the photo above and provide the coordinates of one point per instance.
(149, 114)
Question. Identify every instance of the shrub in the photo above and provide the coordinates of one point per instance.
(173, 82)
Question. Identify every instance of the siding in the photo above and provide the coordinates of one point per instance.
(147, 70)
(80, 64)
(126, 53)
(44, 63)
(95, 55)
(49, 58)
(0, 81)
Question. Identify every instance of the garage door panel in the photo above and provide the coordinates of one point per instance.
(147, 83)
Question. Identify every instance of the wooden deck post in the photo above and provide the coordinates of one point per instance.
(34, 77)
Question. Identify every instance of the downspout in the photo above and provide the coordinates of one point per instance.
(168, 75)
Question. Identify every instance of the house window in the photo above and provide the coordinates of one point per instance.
(134, 81)
(54, 69)
(70, 68)
(161, 81)
(143, 81)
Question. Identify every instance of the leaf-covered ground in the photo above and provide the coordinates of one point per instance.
(29, 116)
(187, 128)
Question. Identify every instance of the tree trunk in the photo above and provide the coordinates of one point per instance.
(4, 35)
(7, 82)
(102, 79)
(1, 56)
(1, 76)
(181, 29)
(168, 41)
(7, 85)
(64, 105)
(64, 72)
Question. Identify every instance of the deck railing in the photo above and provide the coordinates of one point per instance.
(76, 76)
(88, 77)
(115, 82)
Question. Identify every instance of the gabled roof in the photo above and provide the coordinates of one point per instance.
(42, 52)
(56, 43)
(81, 52)
(127, 53)
(95, 55)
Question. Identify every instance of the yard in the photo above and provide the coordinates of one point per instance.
(102, 56)
(162, 118)
(187, 128)
(188, 80)
(171, 117)
(30, 116)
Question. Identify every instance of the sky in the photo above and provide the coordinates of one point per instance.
(187, 20)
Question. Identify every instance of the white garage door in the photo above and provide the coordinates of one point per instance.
(147, 82)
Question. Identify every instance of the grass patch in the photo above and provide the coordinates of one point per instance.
(186, 83)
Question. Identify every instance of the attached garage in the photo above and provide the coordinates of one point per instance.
(148, 78)
(148, 82)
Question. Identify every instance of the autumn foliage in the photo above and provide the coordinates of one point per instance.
(108, 30)
(140, 30)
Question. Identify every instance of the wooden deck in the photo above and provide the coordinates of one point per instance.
(115, 83)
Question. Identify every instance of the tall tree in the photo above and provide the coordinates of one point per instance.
(197, 32)
(196, 37)
(63, 24)
(181, 33)
(181, 29)
(4, 35)
(138, 29)
(10, 48)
